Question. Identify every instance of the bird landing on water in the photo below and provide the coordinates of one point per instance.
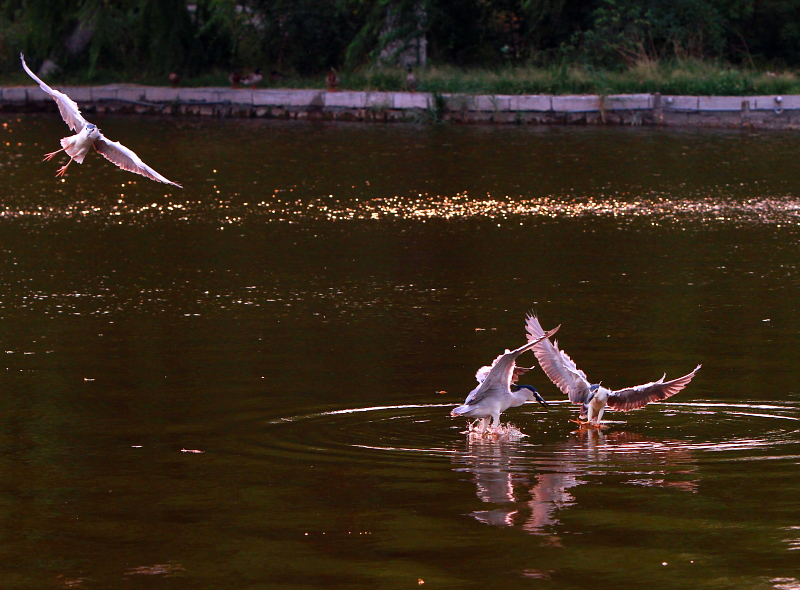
(594, 399)
(496, 390)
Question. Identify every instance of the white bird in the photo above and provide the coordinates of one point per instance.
(88, 135)
(594, 398)
(495, 392)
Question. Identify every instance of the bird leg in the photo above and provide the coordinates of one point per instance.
(63, 169)
(494, 425)
(583, 425)
(473, 427)
(588, 425)
(486, 424)
(51, 154)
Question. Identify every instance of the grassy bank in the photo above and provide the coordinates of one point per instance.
(686, 77)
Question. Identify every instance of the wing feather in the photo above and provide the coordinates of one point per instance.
(632, 398)
(480, 375)
(118, 154)
(67, 107)
(557, 364)
(497, 381)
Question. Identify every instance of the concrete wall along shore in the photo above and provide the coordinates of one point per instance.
(630, 109)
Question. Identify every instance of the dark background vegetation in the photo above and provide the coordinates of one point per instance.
(100, 39)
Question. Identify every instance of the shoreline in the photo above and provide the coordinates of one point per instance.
(752, 112)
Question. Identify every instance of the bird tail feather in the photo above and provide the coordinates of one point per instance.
(458, 411)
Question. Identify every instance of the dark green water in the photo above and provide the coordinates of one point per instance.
(309, 308)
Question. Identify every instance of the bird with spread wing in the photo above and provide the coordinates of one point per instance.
(88, 135)
(594, 398)
(497, 390)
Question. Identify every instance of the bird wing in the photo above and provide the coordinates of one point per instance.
(118, 154)
(519, 371)
(483, 371)
(68, 107)
(557, 365)
(515, 375)
(636, 397)
(497, 380)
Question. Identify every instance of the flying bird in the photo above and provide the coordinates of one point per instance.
(593, 397)
(497, 391)
(88, 135)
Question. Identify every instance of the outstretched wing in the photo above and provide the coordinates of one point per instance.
(515, 375)
(497, 380)
(115, 152)
(557, 365)
(633, 398)
(68, 107)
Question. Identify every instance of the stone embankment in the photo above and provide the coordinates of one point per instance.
(779, 112)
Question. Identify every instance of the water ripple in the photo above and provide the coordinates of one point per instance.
(718, 431)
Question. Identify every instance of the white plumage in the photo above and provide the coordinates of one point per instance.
(88, 135)
(594, 399)
(493, 395)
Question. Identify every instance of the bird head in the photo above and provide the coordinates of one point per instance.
(532, 394)
(91, 130)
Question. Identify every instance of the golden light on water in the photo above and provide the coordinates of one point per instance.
(462, 206)
(279, 207)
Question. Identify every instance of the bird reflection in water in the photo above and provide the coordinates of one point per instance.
(505, 476)
(531, 484)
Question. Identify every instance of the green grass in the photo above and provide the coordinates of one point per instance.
(684, 77)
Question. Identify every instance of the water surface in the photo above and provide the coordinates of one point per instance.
(309, 308)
